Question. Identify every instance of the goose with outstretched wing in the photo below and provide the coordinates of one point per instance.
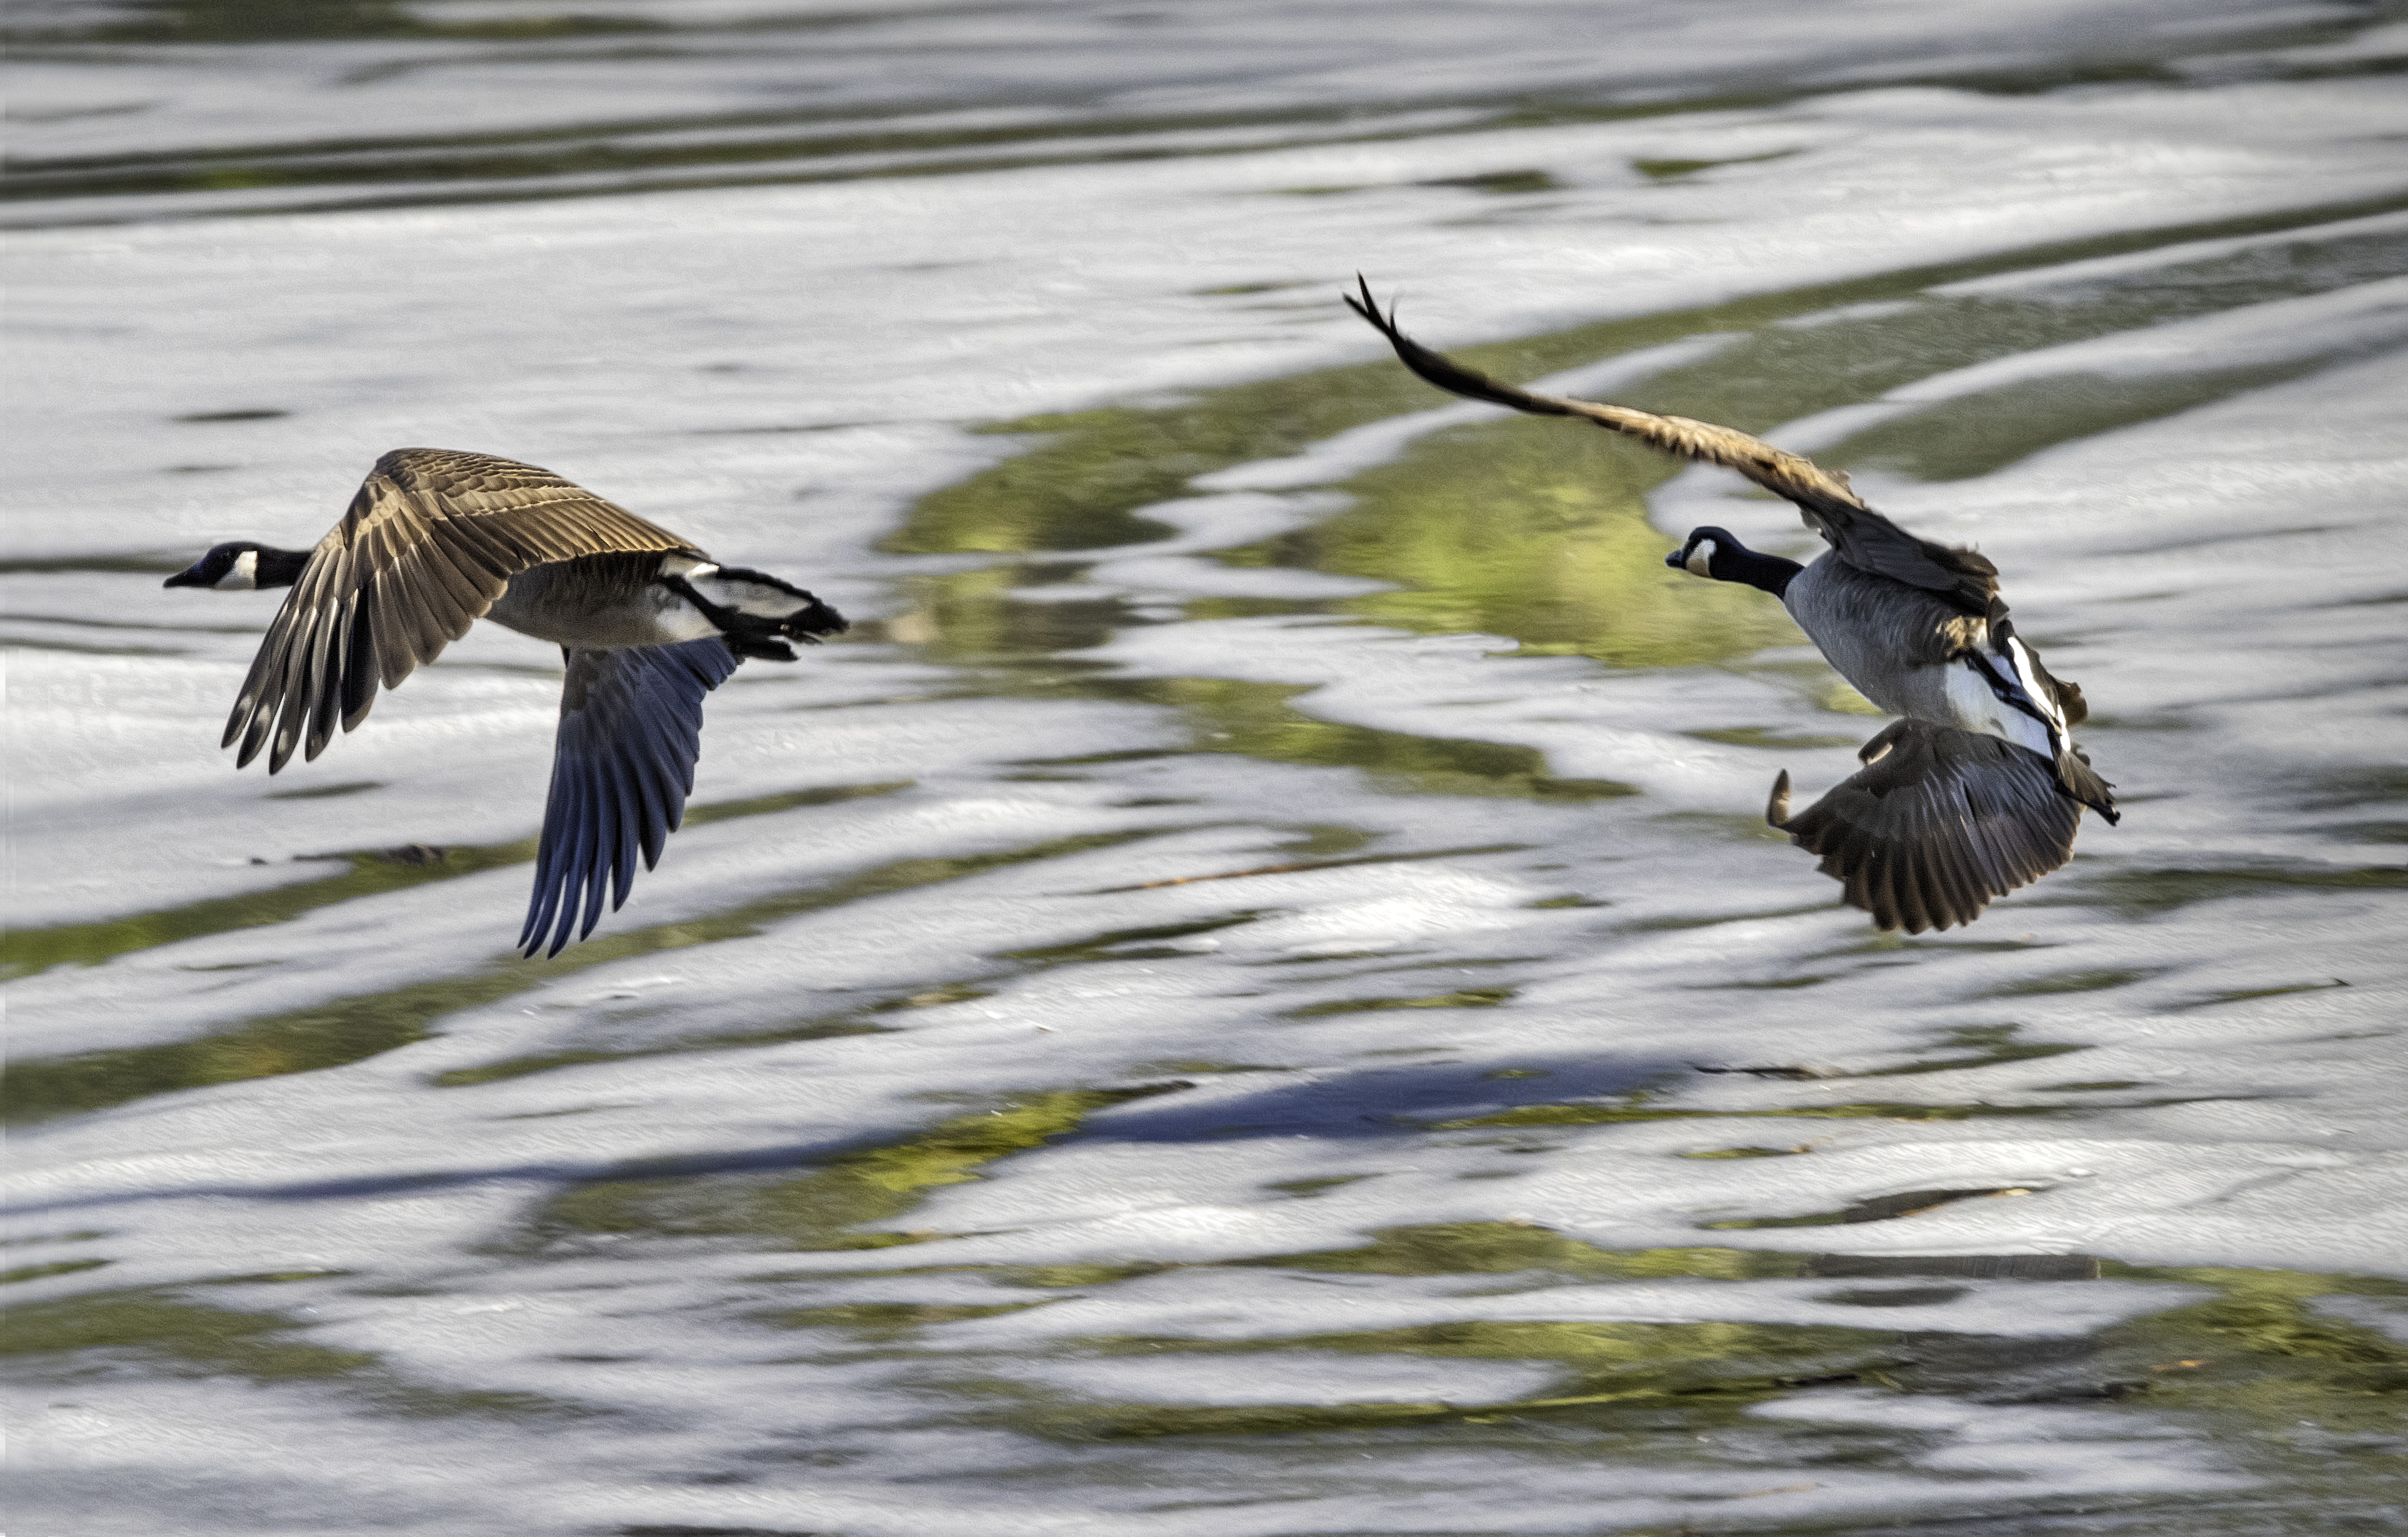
(436, 541)
(1979, 788)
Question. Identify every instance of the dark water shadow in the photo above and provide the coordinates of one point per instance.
(1387, 1102)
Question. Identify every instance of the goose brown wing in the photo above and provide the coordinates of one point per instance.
(1930, 831)
(1862, 537)
(426, 549)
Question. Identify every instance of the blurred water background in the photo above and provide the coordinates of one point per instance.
(1250, 996)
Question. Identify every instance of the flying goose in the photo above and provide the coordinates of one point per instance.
(645, 622)
(1979, 788)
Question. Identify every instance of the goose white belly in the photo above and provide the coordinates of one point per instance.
(1975, 704)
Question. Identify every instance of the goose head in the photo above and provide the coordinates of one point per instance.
(1715, 555)
(241, 566)
(1702, 549)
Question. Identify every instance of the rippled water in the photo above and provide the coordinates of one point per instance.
(1250, 995)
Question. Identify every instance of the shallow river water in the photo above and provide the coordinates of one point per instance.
(1250, 996)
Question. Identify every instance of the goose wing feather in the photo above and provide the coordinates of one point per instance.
(621, 766)
(426, 546)
(1862, 537)
(1934, 828)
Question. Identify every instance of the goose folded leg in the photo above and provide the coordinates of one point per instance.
(621, 766)
(1937, 824)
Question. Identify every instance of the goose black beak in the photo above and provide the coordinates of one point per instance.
(189, 577)
(1674, 561)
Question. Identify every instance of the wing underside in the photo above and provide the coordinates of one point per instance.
(621, 768)
(1938, 824)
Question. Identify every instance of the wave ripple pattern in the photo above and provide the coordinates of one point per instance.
(1250, 996)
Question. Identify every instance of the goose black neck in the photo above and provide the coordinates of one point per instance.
(1737, 563)
(281, 567)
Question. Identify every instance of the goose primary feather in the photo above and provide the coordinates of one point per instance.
(1979, 788)
(436, 541)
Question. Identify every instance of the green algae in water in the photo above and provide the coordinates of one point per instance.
(2136, 894)
(1668, 170)
(1532, 530)
(70, 1339)
(827, 1208)
(1079, 487)
(2256, 1353)
(170, 1331)
(1478, 1249)
(371, 873)
(350, 1030)
(1127, 943)
(2259, 1351)
(885, 1322)
(521, 1067)
(43, 1273)
(304, 1040)
(1990, 1044)
(1707, 1374)
(1529, 530)
(1256, 720)
(1878, 1209)
(1470, 998)
(1111, 944)
(2075, 982)
(1520, 528)
(1973, 435)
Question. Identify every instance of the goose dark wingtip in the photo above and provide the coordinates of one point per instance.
(1442, 372)
(623, 766)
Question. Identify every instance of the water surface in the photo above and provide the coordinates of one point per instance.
(1250, 994)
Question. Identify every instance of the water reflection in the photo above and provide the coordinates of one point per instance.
(1534, 530)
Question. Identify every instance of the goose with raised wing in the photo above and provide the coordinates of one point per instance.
(1978, 788)
(436, 541)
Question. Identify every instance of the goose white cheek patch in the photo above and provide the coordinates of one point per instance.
(1701, 559)
(242, 576)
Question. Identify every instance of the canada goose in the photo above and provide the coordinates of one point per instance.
(1978, 790)
(645, 622)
